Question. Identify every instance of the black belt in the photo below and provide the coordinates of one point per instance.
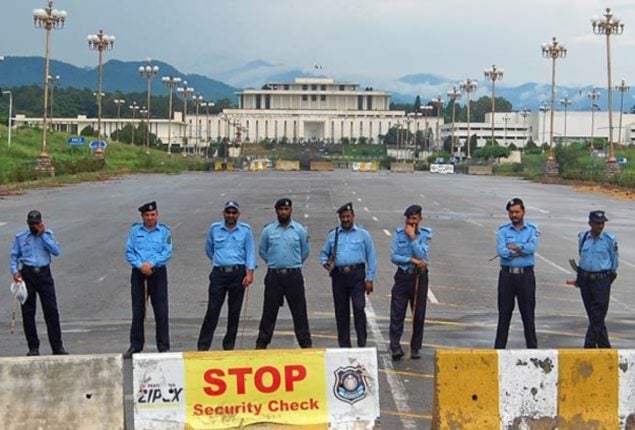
(517, 270)
(595, 275)
(35, 269)
(285, 271)
(411, 271)
(350, 267)
(226, 269)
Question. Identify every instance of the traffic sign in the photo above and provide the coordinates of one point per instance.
(98, 144)
(76, 140)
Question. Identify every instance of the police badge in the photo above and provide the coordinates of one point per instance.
(350, 384)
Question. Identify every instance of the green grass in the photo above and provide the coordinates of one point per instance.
(77, 163)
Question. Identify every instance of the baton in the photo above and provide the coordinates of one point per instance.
(413, 307)
(242, 331)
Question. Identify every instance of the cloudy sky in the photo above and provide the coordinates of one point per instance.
(374, 38)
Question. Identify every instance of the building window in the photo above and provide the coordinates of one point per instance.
(258, 101)
(314, 87)
(313, 97)
(305, 87)
(323, 87)
(323, 97)
(305, 97)
(268, 101)
(285, 86)
(360, 102)
(342, 88)
(369, 102)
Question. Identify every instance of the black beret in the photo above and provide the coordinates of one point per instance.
(283, 202)
(412, 210)
(597, 216)
(515, 202)
(34, 217)
(347, 207)
(151, 206)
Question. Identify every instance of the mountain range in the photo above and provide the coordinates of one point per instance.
(123, 76)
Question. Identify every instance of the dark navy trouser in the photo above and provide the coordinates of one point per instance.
(350, 288)
(402, 294)
(596, 295)
(158, 293)
(521, 287)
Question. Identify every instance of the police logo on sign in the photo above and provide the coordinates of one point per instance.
(350, 384)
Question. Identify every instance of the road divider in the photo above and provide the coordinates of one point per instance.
(287, 165)
(364, 166)
(62, 392)
(477, 389)
(321, 166)
(334, 388)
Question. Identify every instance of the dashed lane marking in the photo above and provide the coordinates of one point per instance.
(411, 374)
(387, 232)
(365, 209)
(359, 199)
(432, 297)
(551, 263)
(375, 219)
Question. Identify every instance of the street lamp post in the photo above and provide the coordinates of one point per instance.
(145, 130)
(437, 102)
(148, 72)
(53, 81)
(118, 102)
(566, 101)
(207, 105)
(134, 108)
(553, 51)
(100, 42)
(524, 113)
(47, 19)
(185, 92)
(9, 122)
(453, 95)
(544, 108)
(493, 75)
(468, 86)
(171, 82)
(622, 88)
(425, 109)
(198, 99)
(594, 94)
(506, 119)
(609, 25)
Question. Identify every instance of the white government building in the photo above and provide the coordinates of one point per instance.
(321, 109)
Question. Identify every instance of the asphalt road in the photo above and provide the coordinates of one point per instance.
(91, 222)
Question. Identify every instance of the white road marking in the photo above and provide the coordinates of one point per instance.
(471, 221)
(308, 197)
(422, 196)
(397, 388)
(627, 263)
(177, 225)
(387, 232)
(375, 219)
(435, 203)
(432, 297)
(359, 199)
(546, 260)
(543, 211)
(101, 279)
(354, 192)
(365, 208)
(306, 215)
(2, 224)
(222, 195)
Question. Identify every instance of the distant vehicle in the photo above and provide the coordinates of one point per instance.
(454, 160)
(622, 160)
(440, 160)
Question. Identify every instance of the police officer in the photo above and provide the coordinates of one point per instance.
(30, 261)
(410, 252)
(516, 243)
(148, 250)
(284, 246)
(596, 272)
(349, 256)
(230, 247)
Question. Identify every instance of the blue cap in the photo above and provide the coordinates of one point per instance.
(231, 204)
(412, 210)
(597, 216)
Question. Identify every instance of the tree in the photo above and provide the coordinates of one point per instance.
(484, 105)
(417, 104)
(489, 152)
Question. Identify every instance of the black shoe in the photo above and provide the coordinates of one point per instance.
(60, 351)
(415, 354)
(33, 352)
(164, 349)
(261, 346)
(128, 354)
(396, 356)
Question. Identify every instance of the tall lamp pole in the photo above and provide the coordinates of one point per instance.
(493, 75)
(425, 109)
(553, 50)
(53, 81)
(144, 112)
(608, 25)
(544, 108)
(100, 42)
(207, 105)
(185, 92)
(134, 108)
(594, 94)
(622, 88)
(118, 102)
(48, 19)
(524, 113)
(10, 115)
(566, 101)
(198, 99)
(437, 102)
(148, 71)
(468, 86)
(171, 82)
(453, 95)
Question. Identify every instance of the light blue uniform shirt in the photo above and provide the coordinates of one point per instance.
(284, 247)
(233, 247)
(598, 254)
(153, 246)
(527, 238)
(354, 246)
(403, 248)
(32, 250)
